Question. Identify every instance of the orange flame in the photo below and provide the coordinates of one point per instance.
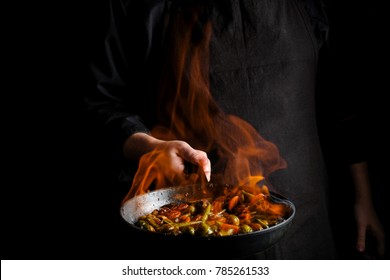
(189, 113)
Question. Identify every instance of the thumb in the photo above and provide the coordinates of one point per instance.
(199, 158)
(205, 164)
(361, 239)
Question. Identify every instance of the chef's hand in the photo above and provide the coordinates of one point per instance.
(173, 154)
(368, 223)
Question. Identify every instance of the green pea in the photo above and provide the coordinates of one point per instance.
(188, 230)
(204, 230)
(245, 229)
(233, 220)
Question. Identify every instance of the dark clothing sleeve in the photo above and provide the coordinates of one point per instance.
(317, 11)
(120, 68)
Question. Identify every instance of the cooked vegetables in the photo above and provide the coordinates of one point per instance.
(236, 212)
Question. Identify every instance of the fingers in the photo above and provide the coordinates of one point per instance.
(361, 239)
(196, 157)
(205, 164)
(379, 236)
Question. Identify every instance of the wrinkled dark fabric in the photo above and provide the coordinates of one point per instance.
(263, 69)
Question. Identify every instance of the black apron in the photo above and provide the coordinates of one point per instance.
(263, 69)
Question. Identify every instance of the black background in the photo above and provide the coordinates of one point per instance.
(60, 195)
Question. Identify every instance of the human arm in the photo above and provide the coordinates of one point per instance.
(370, 235)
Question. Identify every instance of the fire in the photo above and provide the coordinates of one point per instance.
(239, 155)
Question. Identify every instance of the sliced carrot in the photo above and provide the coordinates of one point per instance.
(233, 202)
(245, 216)
(217, 206)
(226, 227)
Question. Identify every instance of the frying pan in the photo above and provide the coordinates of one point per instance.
(161, 246)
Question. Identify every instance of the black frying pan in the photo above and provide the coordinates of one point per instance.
(160, 246)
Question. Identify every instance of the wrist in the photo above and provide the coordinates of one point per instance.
(138, 144)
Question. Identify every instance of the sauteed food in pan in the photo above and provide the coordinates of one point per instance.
(237, 211)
